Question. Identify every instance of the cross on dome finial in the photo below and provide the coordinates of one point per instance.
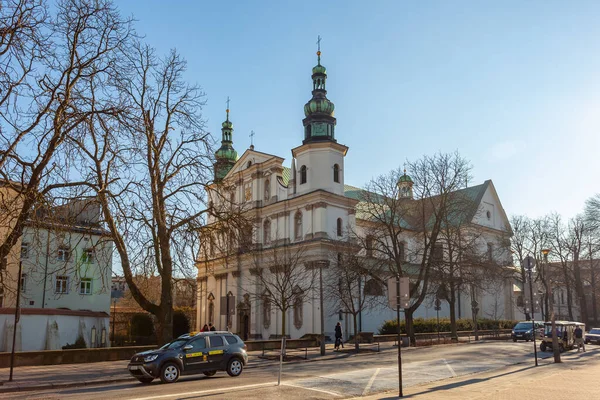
(319, 48)
(227, 110)
(252, 138)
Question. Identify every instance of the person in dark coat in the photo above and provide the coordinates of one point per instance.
(211, 327)
(338, 336)
(204, 328)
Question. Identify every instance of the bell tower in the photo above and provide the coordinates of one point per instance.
(319, 160)
(226, 156)
(319, 124)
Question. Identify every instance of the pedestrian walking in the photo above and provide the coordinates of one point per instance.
(211, 327)
(579, 338)
(338, 337)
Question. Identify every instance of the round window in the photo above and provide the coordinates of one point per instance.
(488, 214)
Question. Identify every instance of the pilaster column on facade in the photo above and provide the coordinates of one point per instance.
(321, 218)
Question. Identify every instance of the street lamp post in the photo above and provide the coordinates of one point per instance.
(555, 346)
(322, 339)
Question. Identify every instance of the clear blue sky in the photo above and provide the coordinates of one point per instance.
(512, 85)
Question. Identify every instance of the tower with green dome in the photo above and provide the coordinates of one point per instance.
(226, 156)
(319, 124)
(405, 186)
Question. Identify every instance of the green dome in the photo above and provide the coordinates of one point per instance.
(226, 152)
(319, 69)
(405, 178)
(227, 124)
(319, 105)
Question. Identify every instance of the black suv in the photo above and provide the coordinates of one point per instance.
(194, 353)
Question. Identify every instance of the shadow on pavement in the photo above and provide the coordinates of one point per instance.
(462, 383)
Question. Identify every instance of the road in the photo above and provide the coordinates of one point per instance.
(355, 375)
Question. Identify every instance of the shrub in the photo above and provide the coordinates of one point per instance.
(79, 344)
(142, 326)
(422, 325)
(181, 323)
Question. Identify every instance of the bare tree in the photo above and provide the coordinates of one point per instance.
(354, 283)
(50, 66)
(283, 277)
(151, 177)
(391, 221)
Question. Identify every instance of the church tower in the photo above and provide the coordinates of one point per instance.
(405, 187)
(226, 156)
(319, 160)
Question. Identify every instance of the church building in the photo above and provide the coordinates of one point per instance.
(297, 215)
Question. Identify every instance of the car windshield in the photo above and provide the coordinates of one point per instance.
(595, 331)
(174, 344)
(548, 329)
(523, 325)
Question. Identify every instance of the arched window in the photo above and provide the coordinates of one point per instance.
(298, 225)
(339, 227)
(369, 245)
(267, 190)
(336, 173)
(232, 197)
(303, 174)
(249, 164)
(373, 288)
(267, 231)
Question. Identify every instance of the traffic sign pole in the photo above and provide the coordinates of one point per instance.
(399, 337)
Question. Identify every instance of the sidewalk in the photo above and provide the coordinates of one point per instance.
(575, 378)
(73, 375)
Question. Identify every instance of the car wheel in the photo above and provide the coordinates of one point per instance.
(169, 373)
(587, 342)
(515, 339)
(210, 373)
(561, 348)
(145, 380)
(235, 367)
(543, 346)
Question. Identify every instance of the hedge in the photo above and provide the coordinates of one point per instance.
(422, 325)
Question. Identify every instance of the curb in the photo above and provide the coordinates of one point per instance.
(30, 388)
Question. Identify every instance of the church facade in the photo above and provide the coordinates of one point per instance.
(299, 213)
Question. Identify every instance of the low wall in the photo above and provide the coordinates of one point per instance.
(75, 356)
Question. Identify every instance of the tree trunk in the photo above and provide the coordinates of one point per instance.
(355, 318)
(408, 318)
(452, 304)
(165, 325)
(283, 321)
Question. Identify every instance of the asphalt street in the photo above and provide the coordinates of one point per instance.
(352, 376)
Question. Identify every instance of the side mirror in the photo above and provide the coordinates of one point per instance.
(188, 347)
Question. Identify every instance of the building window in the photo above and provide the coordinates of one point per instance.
(23, 282)
(369, 246)
(232, 198)
(303, 174)
(339, 227)
(62, 284)
(373, 288)
(401, 247)
(1, 297)
(85, 286)
(24, 250)
(298, 225)
(88, 256)
(438, 253)
(336, 173)
(267, 190)
(249, 164)
(63, 254)
(520, 302)
(93, 337)
(267, 232)
(488, 214)
(490, 251)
